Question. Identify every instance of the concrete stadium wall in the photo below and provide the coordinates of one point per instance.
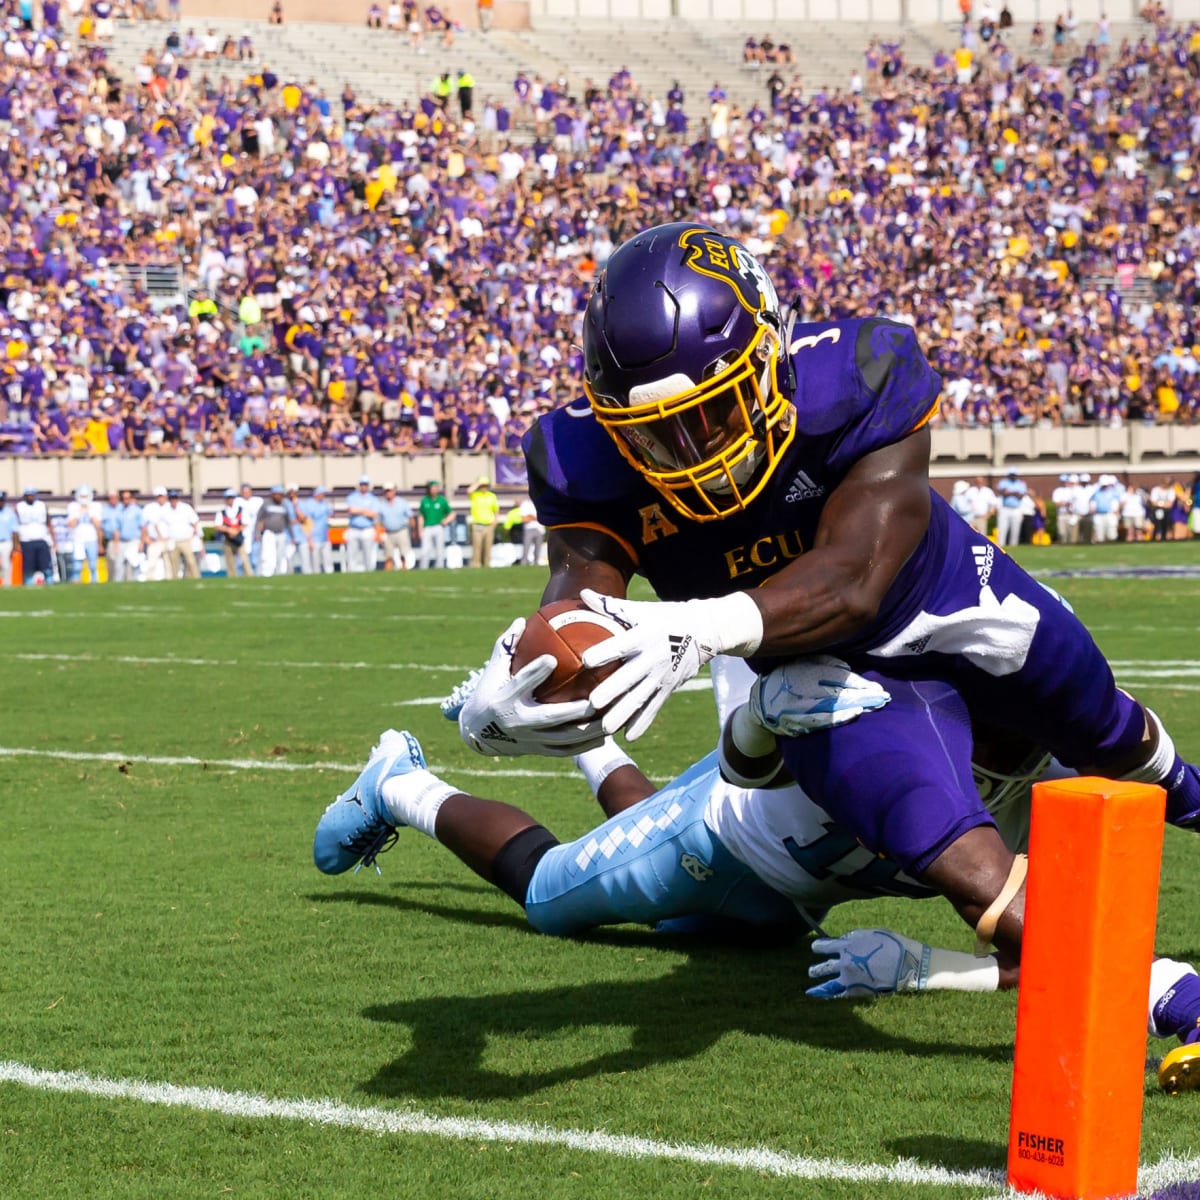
(198, 476)
(1135, 450)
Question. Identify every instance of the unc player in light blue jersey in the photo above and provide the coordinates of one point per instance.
(701, 855)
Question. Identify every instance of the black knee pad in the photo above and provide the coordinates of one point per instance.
(513, 866)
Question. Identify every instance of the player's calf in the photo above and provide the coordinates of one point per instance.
(984, 881)
(1175, 1011)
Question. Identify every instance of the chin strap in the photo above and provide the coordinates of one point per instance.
(985, 931)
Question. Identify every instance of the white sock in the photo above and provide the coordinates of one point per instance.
(1165, 974)
(414, 799)
(1158, 766)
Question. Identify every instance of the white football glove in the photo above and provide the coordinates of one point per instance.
(453, 703)
(664, 646)
(869, 962)
(500, 717)
(810, 694)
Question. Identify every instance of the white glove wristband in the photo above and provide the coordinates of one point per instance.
(662, 646)
(739, 623)
(598, 764)
(954, 971)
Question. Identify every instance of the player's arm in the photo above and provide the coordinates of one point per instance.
(584, 556)
(871, 524)
(876, 962)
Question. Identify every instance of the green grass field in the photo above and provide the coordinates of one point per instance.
(167, 749)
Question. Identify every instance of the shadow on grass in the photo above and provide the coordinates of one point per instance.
(472, 916)
(674, 1017)
(939, 1149)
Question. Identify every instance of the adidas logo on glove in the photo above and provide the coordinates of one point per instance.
(493, 733)
(679, 647)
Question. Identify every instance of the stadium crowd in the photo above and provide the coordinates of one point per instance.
(371, 278)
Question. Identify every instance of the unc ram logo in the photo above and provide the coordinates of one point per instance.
(718, 258)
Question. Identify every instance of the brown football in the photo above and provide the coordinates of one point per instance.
(565, 628)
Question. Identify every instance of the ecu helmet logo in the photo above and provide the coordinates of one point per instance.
(723, 258)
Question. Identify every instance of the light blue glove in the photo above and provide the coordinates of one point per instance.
(811, 694)
(869, 962)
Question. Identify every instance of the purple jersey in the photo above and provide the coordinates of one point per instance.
(963, 634)
(862, 385)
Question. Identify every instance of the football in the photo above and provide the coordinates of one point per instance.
(565, 628)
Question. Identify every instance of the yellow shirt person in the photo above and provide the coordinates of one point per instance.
(485, 510)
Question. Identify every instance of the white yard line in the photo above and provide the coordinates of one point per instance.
(270, 764)
(390, 1122)
(171, 661)
(385, 1122)
(276, 615)
(703, 684)
(1150, 685)
(1159, 662)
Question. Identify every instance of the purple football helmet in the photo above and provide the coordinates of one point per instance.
(685, 366)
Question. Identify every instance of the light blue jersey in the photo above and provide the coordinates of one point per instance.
(652, 862)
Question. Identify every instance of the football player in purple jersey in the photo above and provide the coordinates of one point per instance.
(770, 482)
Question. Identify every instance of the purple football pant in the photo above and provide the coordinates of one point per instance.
(990, 645)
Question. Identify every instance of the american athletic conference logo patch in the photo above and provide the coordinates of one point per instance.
(720, 258)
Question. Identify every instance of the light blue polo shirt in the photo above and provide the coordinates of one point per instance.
(8, 523)
(132, 522)
(357, 499)
(318, 511)
(295, 529)
(110, 520)
(1011, 491)
(394, 514)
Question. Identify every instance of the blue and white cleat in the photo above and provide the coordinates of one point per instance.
(356, 828)
(453, 703)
